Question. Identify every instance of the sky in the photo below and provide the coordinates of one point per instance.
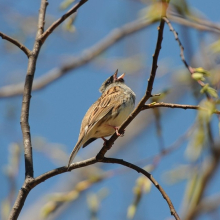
(57, 110)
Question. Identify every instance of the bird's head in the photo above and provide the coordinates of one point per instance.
(112, 80)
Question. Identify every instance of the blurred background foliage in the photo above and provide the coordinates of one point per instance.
(180, 148)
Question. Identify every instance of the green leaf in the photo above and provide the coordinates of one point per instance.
(198, 76)
(152, 12)
(131, 211)
(202, 71)
(215, 47)
(212, 92)
(207, 89)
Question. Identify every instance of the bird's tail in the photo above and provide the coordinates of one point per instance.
(74, 152)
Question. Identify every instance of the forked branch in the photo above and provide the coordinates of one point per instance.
(16, 43)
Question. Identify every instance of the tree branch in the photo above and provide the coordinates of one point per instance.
(27, 94)
(191, 70)
(91, 53)
(29, 170)
(16, 42)
(149, 176)
(199, 26)
(34, 182)
(110, 142)
(30, 182)
(49, 30)
(170, 105)
(86, 56)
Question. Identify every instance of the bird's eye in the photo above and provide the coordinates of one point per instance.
(108, 82)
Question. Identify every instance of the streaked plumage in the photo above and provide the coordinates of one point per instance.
(107, 113)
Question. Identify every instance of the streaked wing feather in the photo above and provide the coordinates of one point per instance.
(109, 100)
(89, 142)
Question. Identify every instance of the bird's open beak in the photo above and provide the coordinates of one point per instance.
(121, 77)
(118, 78)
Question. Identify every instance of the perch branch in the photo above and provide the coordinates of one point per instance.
(147, 95)
(34, 182)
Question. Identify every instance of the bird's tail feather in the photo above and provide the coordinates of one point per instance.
(74, 152)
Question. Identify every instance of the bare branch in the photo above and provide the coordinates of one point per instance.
(34, 182)
(150, 177)
(94, 51)
(29, 170)
(170, 105)
(86, 56)
(201, 22)
(191, 70)
(110, 142)
(49, 30)
(27, 94)
(201, 26)
(16, 42)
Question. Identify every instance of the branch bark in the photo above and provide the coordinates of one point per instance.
(49, 30)
(24, 120)
(171, 105)
(110, 142)
(34, 182)
(16, 43)
(199, 25)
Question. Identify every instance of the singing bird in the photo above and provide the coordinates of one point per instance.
(105, 116)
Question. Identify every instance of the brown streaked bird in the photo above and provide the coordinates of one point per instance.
(105, 116)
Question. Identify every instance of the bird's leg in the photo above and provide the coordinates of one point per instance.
(116, 130)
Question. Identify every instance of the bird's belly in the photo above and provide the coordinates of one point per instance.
(121, 115)
(107, 128)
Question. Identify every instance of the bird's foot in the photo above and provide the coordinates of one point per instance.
(116, 131)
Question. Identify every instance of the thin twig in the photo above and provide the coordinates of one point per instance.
(49, 30)
(199, 26)
(171, 105)
(86, 56)
(150, 177)
(17, 43)
(201, 20)
(191, 70)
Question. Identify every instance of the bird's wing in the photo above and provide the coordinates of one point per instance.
(110, 101)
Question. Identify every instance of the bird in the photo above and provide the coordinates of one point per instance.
(106, 115)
